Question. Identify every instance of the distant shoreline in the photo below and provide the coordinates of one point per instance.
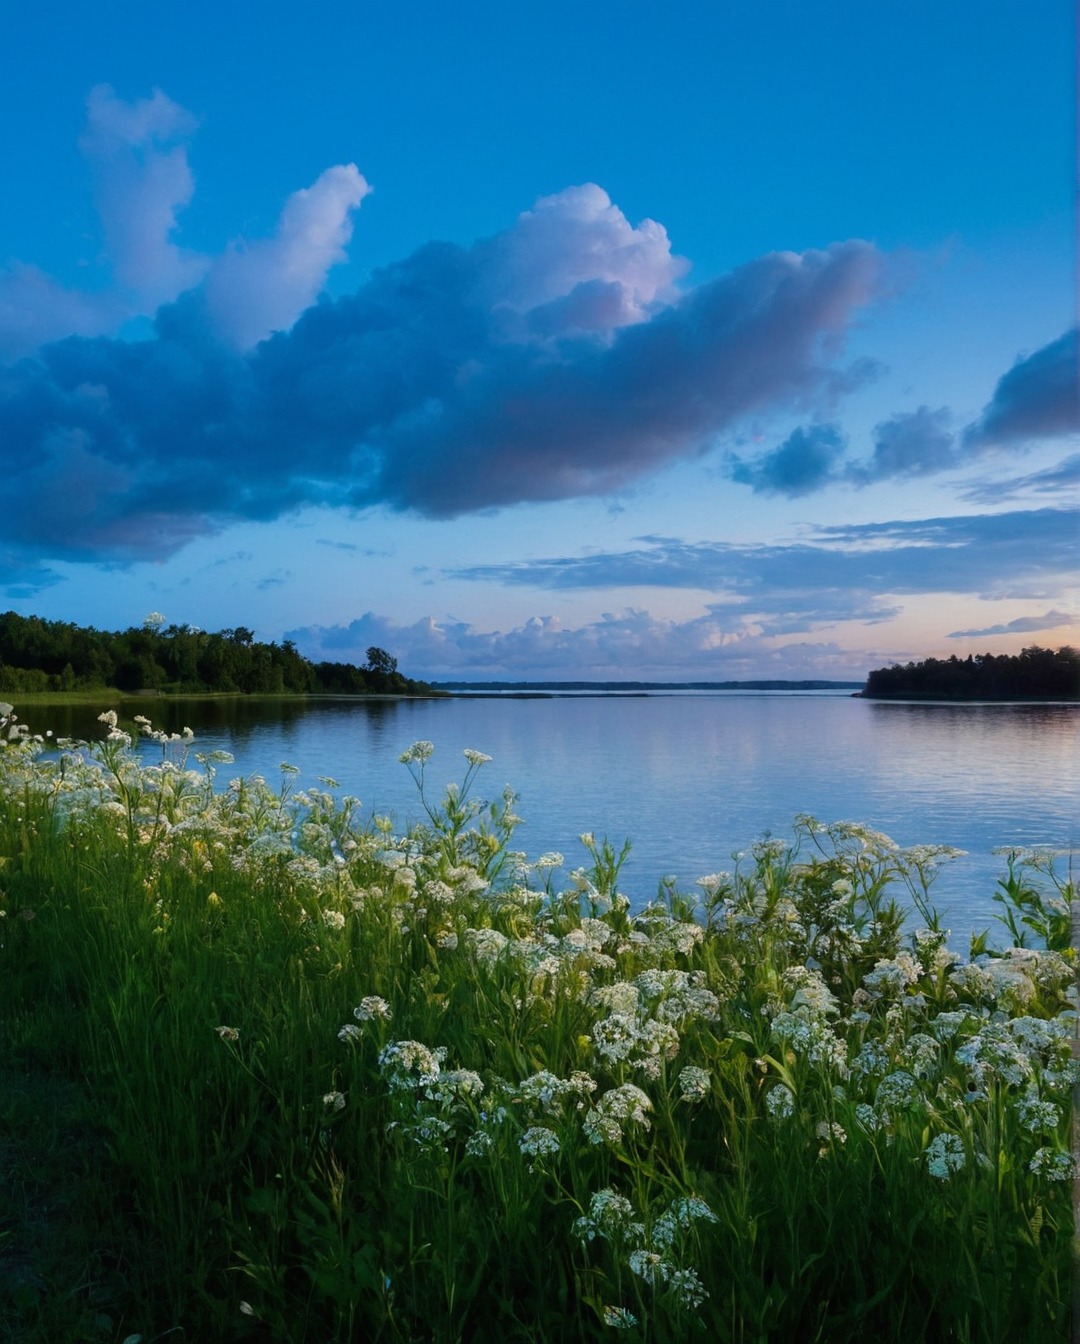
(643, 687)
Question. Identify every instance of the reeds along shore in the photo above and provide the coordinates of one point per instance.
(353, 1084)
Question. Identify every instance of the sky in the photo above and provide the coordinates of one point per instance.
(566, 340)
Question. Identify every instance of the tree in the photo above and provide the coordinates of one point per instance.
(378, 660)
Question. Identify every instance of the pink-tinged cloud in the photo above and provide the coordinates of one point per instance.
(575, 264)
(260, 287)
(714, 647)
(1023, 625)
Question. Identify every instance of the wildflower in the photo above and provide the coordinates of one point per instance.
(619, 1318)
(610, 1217)
(647, 1265)
(780, 1101)
(333, 919)
(479, 1143)
(680, 1216)
(1037, 1116)
(475, 758)
(620, 1105)
(687, 1287)
(1052, 1163)
(349, 1033)
(400, 1059)
(419, 752)
(539, 1142)
(896, 1089)
(694, 1084)
(867, 1117)
(487, 945)
(372, 1007)
(228, 1033)
(334, 1101)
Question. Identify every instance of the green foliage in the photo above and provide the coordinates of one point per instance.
(355, 1084)
(1034, 673)
(38, 655)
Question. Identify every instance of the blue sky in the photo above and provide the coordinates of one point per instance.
(548, 340)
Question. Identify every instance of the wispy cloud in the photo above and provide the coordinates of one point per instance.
(839, 569)
(1056, 481)
(1051, 620)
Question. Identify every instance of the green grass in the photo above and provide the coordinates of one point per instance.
(267, 1074)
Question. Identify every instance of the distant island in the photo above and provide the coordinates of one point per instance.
(42, 656)
(1032, 674)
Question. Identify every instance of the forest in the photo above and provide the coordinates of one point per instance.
(1033, 674)
(38, 655)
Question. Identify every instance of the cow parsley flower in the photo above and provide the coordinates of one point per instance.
(539, 1142)
(1052, 1163)
(694, 1084)
(944, 1155)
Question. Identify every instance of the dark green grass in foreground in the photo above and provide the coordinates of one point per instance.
(267, 1075)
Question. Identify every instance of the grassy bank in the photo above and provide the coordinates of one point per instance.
(269, 1075)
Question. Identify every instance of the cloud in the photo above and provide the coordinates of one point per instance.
(1038, 398)
(1050, 481)
(137, 155)
(840, 573)
(708, 647)
(137, 152)
(262, 287)
(806, 461)
(553, 360)
(911, 443)
(1051, 620)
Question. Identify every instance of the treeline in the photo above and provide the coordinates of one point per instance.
(1033, 674)
(39, 655)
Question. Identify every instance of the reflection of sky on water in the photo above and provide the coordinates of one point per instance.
(690, 779)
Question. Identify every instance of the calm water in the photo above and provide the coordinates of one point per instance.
(691, 778)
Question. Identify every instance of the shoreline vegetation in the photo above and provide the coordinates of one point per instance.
(1033, 674)
(269, 1072)
(40, 657)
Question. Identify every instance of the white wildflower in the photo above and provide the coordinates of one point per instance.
(1052, 1163)
(694, 1084)
(419, 752)
(539, 1142)
(780, 1101)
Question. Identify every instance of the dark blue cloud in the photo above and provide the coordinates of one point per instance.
(421, 391)
(806, 461)
(1038, 398)
(911, 443)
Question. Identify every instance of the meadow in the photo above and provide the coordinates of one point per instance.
(273, 1072)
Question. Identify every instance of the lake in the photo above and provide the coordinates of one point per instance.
(689, 778)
